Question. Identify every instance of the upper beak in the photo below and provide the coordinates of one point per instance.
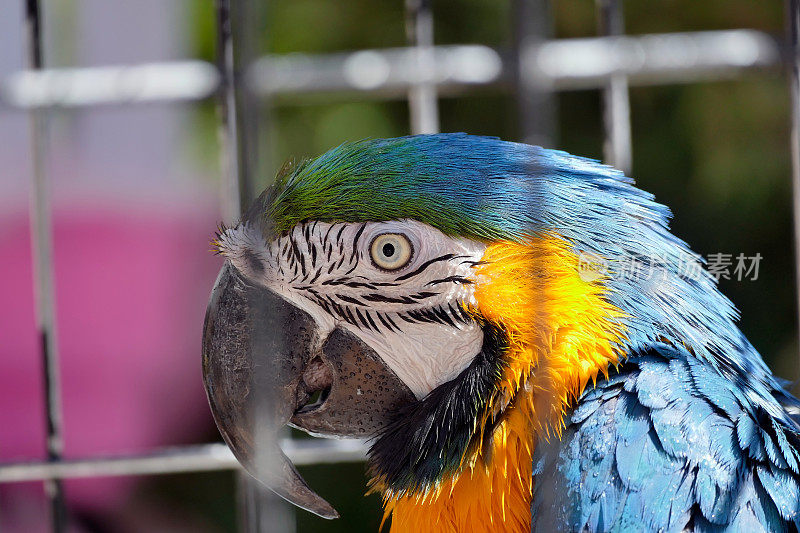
(263, 359)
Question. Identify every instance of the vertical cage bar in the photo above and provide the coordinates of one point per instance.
(616, 105)
(239, 110)
(229, 143)
(260, 510)
(422, 98)
(793, 28)
(236, 107)
(536, 102)
(43, 281)
(231, 188)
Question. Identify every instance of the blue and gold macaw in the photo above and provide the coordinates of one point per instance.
(470, 306)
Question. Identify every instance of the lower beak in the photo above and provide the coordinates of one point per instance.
(263, 361)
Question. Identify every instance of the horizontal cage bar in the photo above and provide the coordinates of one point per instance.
(562, 64)
(197, 458)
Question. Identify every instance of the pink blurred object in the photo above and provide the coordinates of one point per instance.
(132, 282)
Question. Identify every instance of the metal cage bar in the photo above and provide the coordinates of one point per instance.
(238, 127)
(44, 283)
(197, 458)
(258, 510)
(422, 102)
(231, 181)
(617, 149)
(390, 73)
(536, 102)
(793, 31)
(230, 192)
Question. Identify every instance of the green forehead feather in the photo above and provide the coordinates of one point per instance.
(460, 184)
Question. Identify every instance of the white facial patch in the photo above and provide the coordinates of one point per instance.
(412, 317)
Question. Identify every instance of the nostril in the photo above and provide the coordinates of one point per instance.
(315, 400)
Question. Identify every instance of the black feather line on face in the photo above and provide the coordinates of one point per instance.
(450, 279)
(382, 317)
(355, 242)
(316, 275)
(428, 439)
(351, 300)
(407, 318)
(426, 264)
(372, 322)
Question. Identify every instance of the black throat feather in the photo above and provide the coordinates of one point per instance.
(428, 439)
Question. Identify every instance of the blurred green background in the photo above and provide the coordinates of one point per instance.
(717, 153)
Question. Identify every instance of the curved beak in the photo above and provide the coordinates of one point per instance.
(262, 362)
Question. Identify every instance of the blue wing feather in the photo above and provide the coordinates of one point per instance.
(670, 444)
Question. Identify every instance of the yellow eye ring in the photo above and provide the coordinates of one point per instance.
(391, 251)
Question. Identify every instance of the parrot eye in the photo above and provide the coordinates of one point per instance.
(391, 251)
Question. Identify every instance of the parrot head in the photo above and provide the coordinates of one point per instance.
(430, 294)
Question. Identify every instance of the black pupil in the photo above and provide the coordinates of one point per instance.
(388, 249)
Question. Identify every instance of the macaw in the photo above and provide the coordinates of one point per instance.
(466, 304)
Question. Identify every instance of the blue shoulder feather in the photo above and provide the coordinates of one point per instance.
(669, 444)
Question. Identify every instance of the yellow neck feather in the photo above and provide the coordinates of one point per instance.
(562, 334)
